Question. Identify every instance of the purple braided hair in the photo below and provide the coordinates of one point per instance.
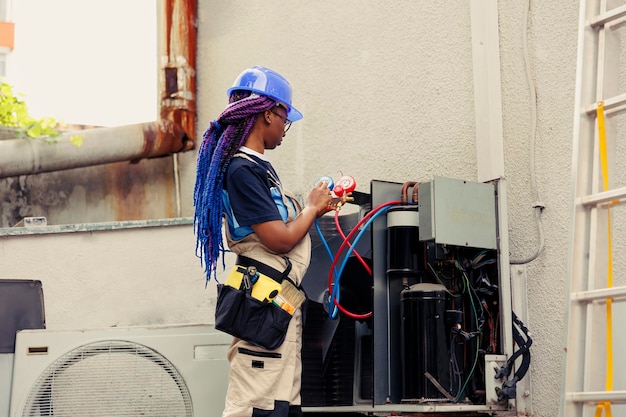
(220, 142)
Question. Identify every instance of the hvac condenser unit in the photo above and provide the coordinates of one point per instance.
(428, 319)
(120, 371)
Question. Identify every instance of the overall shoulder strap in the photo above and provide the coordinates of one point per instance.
(244, 156)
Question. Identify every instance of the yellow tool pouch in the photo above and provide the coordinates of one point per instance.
(264, 288)
(254, 306)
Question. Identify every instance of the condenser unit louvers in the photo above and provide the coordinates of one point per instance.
(121, 371)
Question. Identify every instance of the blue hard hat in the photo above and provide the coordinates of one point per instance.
(269, 83)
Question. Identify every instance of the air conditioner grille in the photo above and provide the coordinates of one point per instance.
(110, 378)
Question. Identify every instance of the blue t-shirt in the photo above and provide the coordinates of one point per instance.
(251, 195)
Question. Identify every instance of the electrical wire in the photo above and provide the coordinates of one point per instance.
(469, 375)
(537, 205)
(478, 324)
(432, 270)
(455, 371)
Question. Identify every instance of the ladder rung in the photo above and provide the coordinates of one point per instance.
(597, 396)
(608, 16)
(611, 105)
(617, 194)
(600, 294)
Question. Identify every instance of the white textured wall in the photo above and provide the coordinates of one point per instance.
(552, 40)
(113, 277)
(381, 85)
(387, 93)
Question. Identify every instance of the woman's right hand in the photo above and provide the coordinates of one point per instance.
(320, 198)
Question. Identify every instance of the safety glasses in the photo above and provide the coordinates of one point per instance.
(286, 121)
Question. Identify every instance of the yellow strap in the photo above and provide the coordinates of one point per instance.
(606, 405)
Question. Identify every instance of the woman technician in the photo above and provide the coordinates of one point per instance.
(267, 228)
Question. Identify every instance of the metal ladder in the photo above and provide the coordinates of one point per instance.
(588, 382)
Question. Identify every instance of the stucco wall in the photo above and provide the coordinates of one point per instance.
(96, 276)
(387, 93)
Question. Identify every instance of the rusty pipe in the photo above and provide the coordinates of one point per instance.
(177, 51)
(91, 147)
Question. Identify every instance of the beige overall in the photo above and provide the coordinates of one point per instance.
(261, 380)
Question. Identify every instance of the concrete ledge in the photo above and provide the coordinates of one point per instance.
(91, 227)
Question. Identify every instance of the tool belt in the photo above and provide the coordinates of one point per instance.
(257, 302)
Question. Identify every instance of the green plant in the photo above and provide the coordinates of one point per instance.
(14, 114)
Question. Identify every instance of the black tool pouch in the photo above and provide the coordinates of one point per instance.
(237, 313)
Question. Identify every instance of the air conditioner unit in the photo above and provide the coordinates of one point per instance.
(151, 371)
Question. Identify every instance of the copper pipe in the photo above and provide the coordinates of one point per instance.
(404, 199)
(415, 197)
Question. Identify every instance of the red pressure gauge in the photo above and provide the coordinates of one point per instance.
(344, 185)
